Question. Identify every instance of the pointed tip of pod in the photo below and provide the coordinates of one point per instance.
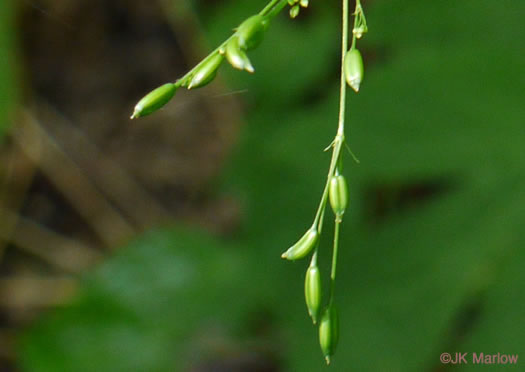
(237, 56)
(313, 316)
(353, 69)
(248, 67)
(303, 246)
(329, 331)
(154, 100)
(327, 358)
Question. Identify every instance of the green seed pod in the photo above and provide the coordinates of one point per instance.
(338, 193)
(294, 11)
(329, 332)
(304, 3)
(312, 291)
(251, 32)
(154, 100)
(236, 56)
(206, 72)
(303, 246)
(292, 2)
(353, 68)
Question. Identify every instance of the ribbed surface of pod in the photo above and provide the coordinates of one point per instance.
(338, 194)
(312, 292)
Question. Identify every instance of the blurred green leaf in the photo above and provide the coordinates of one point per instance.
(142, 309)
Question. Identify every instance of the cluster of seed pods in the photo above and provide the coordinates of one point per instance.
(247, 36)
(336, 191)
(327, 317)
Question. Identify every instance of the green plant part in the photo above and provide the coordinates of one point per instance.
(154, 100)
(335, 188)
(360, 26)
(237, 57)
(359, 31)
(248, 35)
(329, 332)
(294, 11)
(338, 194)
(206, 72)
(312, 290)
(303, 246)
(354, 70)
(251, 32)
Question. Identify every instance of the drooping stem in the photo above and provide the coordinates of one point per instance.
(344, 48)
(338, 144)
(270, 6)
(275, 9)
(354, 37)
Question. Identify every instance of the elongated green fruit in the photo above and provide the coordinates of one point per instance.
(338, 193)
(251, 32)
(154, 100)
(353, 68)
(329, 332)
(237, 57)
(303, 246)
(312, 291)
(206, 72)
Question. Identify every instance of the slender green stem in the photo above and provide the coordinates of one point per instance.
(185, 79)
(338, 143)
(270, 6)
(344, 48)
(313, 261)
(334, 259)
(354, 38)
(340, 137)
(277, 8)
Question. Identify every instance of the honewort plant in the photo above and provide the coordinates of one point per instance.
(247, 36)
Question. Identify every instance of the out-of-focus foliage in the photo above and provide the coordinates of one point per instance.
(7, 87)
(441, 104)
